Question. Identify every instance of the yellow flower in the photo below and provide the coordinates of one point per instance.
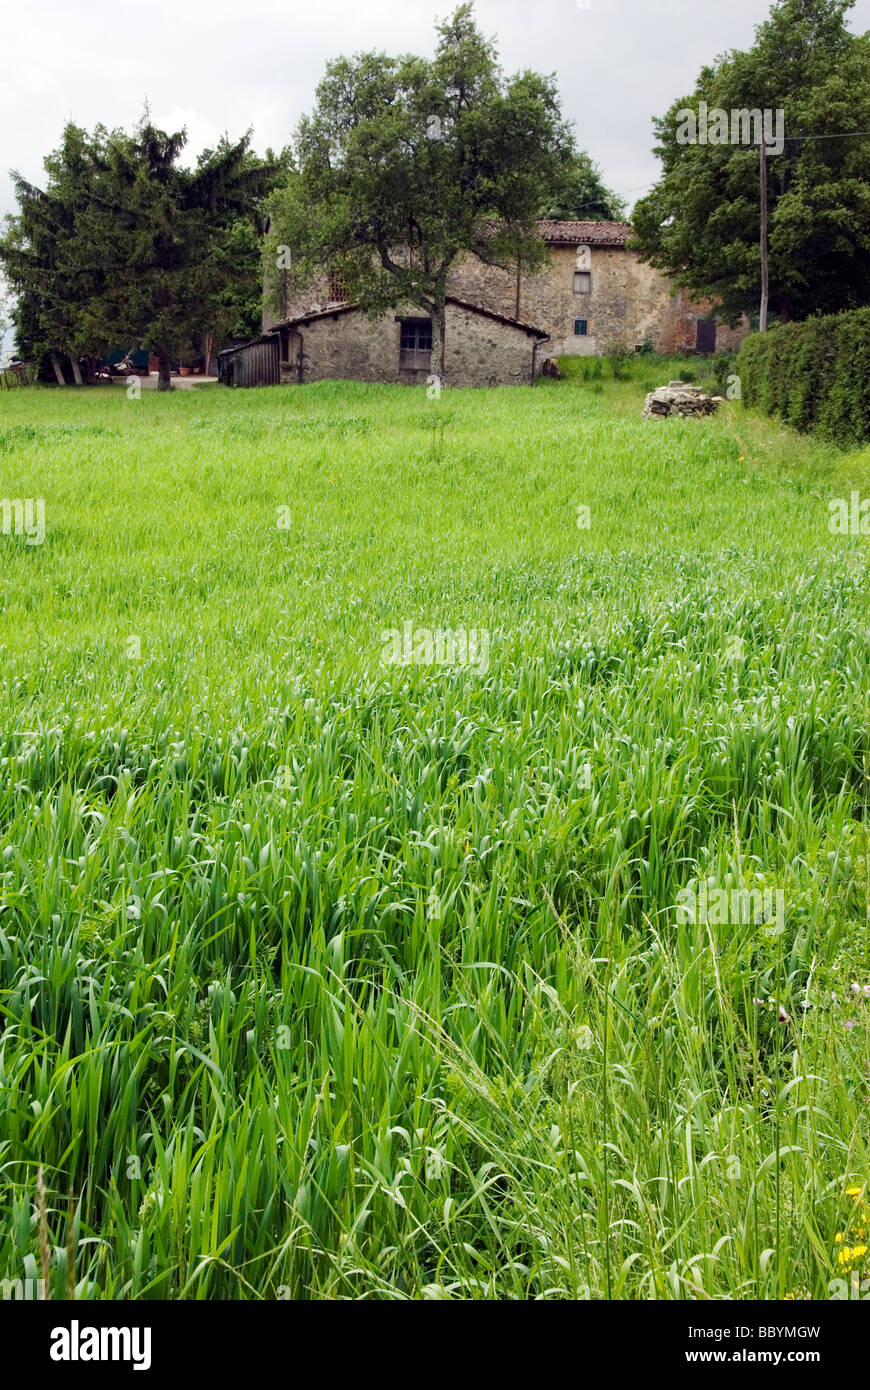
(845, 1256)
(838, 1237)
(858, 1251)
(854, 1192)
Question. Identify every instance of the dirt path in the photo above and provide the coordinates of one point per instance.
(179, 383)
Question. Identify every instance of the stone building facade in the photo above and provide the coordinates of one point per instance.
(592, 294)
(481, 347)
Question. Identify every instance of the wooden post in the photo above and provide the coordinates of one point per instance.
(762, 314)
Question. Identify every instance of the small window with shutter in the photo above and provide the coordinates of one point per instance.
(415, 343)
(582, 282)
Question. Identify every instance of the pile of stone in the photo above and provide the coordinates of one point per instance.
(678, 399)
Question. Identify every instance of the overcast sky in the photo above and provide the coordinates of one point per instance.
(219, 66)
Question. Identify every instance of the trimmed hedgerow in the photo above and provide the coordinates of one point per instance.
(815, 375)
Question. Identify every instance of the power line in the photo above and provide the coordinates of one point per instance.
(597, 202)
(838, 135)
(835, 135)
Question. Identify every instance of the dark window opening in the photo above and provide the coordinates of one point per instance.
(337, 290)
(415, 343)
(581, 328)
(705, 335)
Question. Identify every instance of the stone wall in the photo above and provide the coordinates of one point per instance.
(480, 351)
(629, 302)
(297, 300)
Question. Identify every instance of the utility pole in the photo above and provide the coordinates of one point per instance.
(762, 316)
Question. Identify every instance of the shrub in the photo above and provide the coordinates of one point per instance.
(722, 365)
(617, 360)
(815, 375)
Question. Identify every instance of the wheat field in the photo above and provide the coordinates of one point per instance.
(358, 750)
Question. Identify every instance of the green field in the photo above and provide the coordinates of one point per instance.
(326, 977)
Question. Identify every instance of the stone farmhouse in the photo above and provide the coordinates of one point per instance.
(501, 325)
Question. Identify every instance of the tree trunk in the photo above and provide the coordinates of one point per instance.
(57, 369)
(76, 371)
(439, 317)
(784, 309)
(164, 369)
(442, 325)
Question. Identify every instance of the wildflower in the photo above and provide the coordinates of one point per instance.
(839, 1238)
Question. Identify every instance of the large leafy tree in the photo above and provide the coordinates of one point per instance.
(406, 163)
(701, 222)
(51, 273)
(583, 195)
(6, 311)
(166, 238)
(126, 245)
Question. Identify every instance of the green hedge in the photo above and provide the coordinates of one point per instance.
(815, 375)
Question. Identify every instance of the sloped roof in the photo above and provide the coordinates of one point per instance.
(344, 308)
(499, 318)
(584, 233)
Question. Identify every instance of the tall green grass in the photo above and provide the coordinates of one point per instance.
(325, 978)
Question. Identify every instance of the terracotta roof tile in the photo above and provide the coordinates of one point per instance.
(584, 233)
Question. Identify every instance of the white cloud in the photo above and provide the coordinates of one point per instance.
(221, 66)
